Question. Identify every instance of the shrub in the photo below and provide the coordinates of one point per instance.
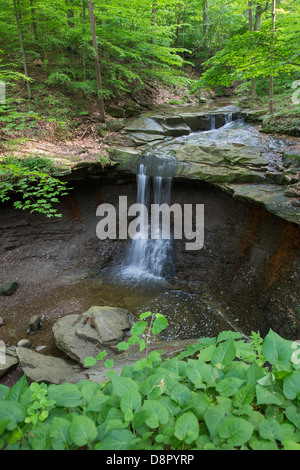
(31, 178)
(220, 393)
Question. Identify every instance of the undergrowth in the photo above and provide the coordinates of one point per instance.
(30, 183)
(224, 393)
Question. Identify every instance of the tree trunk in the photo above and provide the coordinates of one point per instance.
(22, 50)
(70, 14)
(154, 13)
(97, 63)
(250, 17)
(258, 14)
(83, 34)
(33, 21)
(271, 102)
(178, 24)
(204, 17)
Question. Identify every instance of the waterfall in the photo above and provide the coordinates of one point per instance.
(149, 253)
(228, 118)
(212, 120)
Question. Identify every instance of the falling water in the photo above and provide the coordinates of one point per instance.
(228, 118)
(150, 253)
(212, 123)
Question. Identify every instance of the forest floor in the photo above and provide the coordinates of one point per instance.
(60, 125)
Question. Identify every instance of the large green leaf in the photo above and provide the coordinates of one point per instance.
(97, 403)
(140, 417)
(18, 389)
(4, 391)
(290, 445)
(66, 394)
(187, 427)
(119, 439)
(159, 324)
(268, 395)
(237, 431)
(82, 430)
(59, 433)
(270, 429)
(160, 414)
(41, 437)
(131, 400)
(180, 394)
(229, 386)
(291, 385)
(194, 373)
(199, 402)
(277, 351)
(224, 353)
(254, 373)
(244, 396)
(12, 411)
(256, 443)
(293, 415)
(121, 385)
(214, 418)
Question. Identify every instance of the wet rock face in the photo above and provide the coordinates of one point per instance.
(181, 124)
(250, 260)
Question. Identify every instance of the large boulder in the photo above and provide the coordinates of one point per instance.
(84, 335)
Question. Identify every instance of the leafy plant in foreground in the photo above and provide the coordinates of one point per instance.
(31, 178)
(219, 393)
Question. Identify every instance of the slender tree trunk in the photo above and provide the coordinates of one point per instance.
(70, 14)
(258, 14)
(22, 50)
(271, 102)
(250, 17)
(33, 21)
(154, 12)
(97, 63)
(178, 24)
(204, 17)
(83, 12)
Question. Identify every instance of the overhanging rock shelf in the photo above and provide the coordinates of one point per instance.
(212, 146)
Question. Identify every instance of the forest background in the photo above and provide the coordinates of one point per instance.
(68, 64)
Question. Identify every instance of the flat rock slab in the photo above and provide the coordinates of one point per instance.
(98, 373)
(41, 368)
(145, 124)
(84, 335)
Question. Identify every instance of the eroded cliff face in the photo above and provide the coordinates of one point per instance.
(247, 275)
(250, 261)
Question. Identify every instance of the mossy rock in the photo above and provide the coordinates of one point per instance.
(291, 160)
(9, 288)
(287, 125)
(115, 111)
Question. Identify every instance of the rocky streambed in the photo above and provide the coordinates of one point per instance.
(245, 278)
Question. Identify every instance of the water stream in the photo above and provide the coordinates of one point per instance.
(150, 253)
(149, 263)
